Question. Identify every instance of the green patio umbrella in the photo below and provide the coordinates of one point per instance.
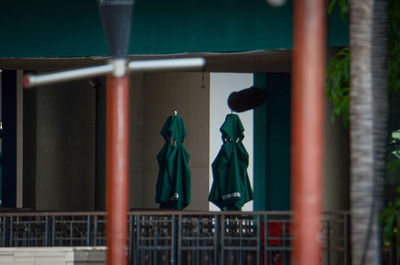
(174, 180)
(231, 186)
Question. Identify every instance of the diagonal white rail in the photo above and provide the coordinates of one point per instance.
(184, 64)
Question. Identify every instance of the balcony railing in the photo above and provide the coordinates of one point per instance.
(172, 237)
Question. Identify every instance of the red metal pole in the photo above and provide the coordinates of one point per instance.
(117, 169)
(307, 128)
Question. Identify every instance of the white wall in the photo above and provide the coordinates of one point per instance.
(221, 85)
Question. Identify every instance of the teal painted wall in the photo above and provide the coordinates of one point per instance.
(46, 28)
(272, 143)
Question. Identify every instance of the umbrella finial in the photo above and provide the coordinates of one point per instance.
(175, 112)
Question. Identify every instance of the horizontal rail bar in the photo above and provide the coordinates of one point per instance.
(69, 75)
(170, 213)
(183, 64)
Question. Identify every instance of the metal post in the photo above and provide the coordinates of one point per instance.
(347, 239)
(11, 233)
(259, 244)
(53, 231)
(216, 239)
(5, 232)
(89, 233)
(307, 128)
(131, 239)
(117, 164)
(174, 236)
(47, 220)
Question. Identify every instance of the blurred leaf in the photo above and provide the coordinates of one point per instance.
(338, 85)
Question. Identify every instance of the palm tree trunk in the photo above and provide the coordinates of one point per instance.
(368, 122)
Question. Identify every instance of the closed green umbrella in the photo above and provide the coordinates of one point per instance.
(231, 186)
(174, 180)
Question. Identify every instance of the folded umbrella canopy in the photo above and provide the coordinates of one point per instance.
(174, 180)
(231, 186)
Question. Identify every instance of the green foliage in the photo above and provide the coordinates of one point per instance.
(390, 217)
(394, 46)
(338, 73)
(344, 8)
(338, 85)
(338, 70)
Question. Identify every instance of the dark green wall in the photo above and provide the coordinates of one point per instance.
(272, 143)
(45, 28)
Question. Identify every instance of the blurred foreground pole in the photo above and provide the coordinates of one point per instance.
(117, 169)
(307, 129)
(116, 18)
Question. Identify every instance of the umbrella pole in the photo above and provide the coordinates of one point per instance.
(117, 168)
(307, 129)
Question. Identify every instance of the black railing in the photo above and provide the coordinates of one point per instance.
(172, 237)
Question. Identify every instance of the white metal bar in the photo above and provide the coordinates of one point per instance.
(51, 78)
(183, 64)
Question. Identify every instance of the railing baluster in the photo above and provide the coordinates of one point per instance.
(46, 231)
(265, 250)
(53, 230)
(197, 250)
(240, 240)
(180, 238)
(138, 239)
(284, 243)
(12, 231)
(4, 239)
(155, 242)
(347, 246)
(222, 239)
(130, 239)
(173, 240)
(89, 230)
(328, 239)
(259, 243)
(216, 238)
(95, 229)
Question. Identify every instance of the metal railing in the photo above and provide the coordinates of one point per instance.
(181, 237)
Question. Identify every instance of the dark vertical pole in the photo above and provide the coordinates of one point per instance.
(117, 168)
(307, 128)
(9, 140)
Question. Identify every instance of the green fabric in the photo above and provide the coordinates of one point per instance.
(231, 186)
(174, 180)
